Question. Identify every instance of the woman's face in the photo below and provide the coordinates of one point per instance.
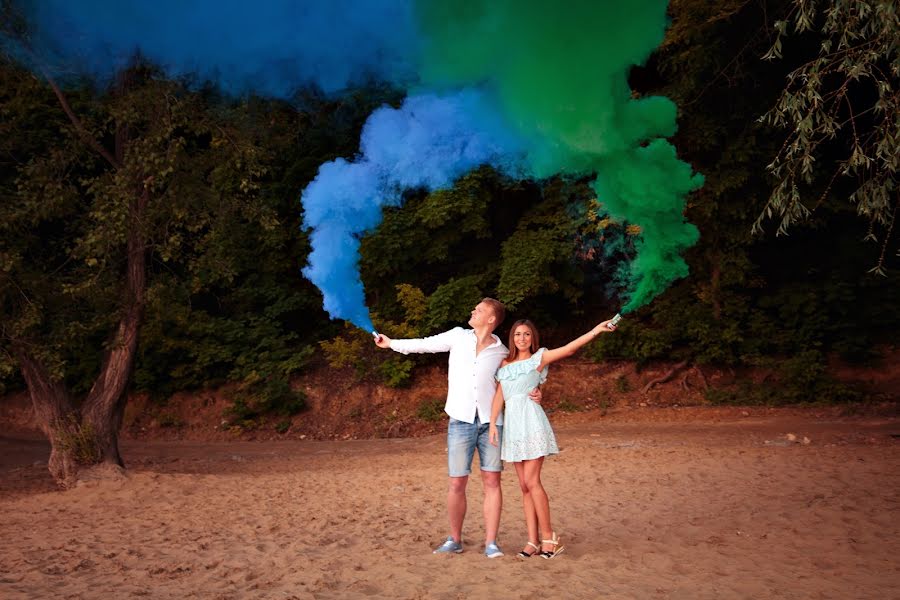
(522, 337)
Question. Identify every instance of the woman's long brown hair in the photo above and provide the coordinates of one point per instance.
(535, 338)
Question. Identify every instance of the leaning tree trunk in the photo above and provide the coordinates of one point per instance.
(105, 404)
(55, 415)
(94, 437)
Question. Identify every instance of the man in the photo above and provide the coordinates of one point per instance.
(475, 355)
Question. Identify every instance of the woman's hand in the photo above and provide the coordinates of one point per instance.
(604, 327)
(494, 435)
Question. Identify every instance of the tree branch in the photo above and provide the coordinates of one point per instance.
(665, 377)
(79, 126)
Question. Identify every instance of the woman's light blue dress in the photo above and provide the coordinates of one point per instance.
(526, 431)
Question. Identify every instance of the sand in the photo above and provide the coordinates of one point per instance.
(679, 509)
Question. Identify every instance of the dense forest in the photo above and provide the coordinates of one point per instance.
(152, 232)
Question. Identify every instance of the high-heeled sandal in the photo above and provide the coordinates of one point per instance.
(558, 548)
(523, 554)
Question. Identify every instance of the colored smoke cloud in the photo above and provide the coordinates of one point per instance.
(562, 78)
(427, 143)
(270, 48)
(533, 88)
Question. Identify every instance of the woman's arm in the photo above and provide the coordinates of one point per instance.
(496, 407)
(550, 356)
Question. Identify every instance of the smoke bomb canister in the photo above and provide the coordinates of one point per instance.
(615, 320)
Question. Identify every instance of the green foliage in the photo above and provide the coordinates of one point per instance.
(534, 258)
(224, 299)
(344, 351)
(840, 109)
(452, 302)
(355, 349)
(395, 372)
(413, 301)
(747, 298)
(253, 400)
(446, 244)
(431, 410)
(428, 230)
(566, 405)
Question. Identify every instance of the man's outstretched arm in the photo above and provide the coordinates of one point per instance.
(441, 342)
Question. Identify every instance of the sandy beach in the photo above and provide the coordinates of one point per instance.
(657, 509)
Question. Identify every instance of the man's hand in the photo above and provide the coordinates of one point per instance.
(382, 341)
(536, 395)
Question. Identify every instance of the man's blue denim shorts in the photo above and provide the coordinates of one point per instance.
(462, 439)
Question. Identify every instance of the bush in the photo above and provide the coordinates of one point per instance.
(802, 378)
(78, 440)
(257, 398)
(170, 420)
(567, 405)
(395, 371)
(431, 410)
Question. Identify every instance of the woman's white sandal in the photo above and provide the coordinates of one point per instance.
(558, 548)
(523, 554)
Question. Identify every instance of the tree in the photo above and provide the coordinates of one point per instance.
(100, 186)
(841, 109)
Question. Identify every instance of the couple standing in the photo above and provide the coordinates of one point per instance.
(478, 361)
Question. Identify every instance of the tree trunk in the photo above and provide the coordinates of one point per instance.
(105, 403)
(94, 438)
(55, 414)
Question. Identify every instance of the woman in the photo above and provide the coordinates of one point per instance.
(527, 435)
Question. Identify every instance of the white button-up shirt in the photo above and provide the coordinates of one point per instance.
(470, 378)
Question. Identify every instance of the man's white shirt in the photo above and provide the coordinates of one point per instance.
(470, 378)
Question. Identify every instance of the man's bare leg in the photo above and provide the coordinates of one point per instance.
(456, 505)
(493, 504)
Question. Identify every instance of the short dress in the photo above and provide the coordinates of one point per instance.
(527, 433)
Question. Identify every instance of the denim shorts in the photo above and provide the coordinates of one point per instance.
(462, 439)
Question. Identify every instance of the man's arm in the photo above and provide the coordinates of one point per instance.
(441, 342)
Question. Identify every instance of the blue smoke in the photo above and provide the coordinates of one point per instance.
(269, 47)
(428, 142)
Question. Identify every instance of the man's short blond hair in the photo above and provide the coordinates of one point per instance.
(497, 308)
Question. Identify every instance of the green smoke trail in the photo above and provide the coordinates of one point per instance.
(560, 72)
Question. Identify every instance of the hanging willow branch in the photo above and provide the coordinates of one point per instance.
(848, 94)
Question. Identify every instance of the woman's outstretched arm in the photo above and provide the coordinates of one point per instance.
(569, 349)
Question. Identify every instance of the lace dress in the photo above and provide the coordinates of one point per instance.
(526, 431)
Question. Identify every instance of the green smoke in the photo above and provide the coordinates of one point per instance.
(559, 71)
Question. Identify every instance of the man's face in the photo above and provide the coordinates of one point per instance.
(481, 315)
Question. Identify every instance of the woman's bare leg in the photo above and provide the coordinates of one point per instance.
(539, 498)
(531, 521)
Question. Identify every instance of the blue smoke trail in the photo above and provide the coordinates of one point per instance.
(428, 142)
